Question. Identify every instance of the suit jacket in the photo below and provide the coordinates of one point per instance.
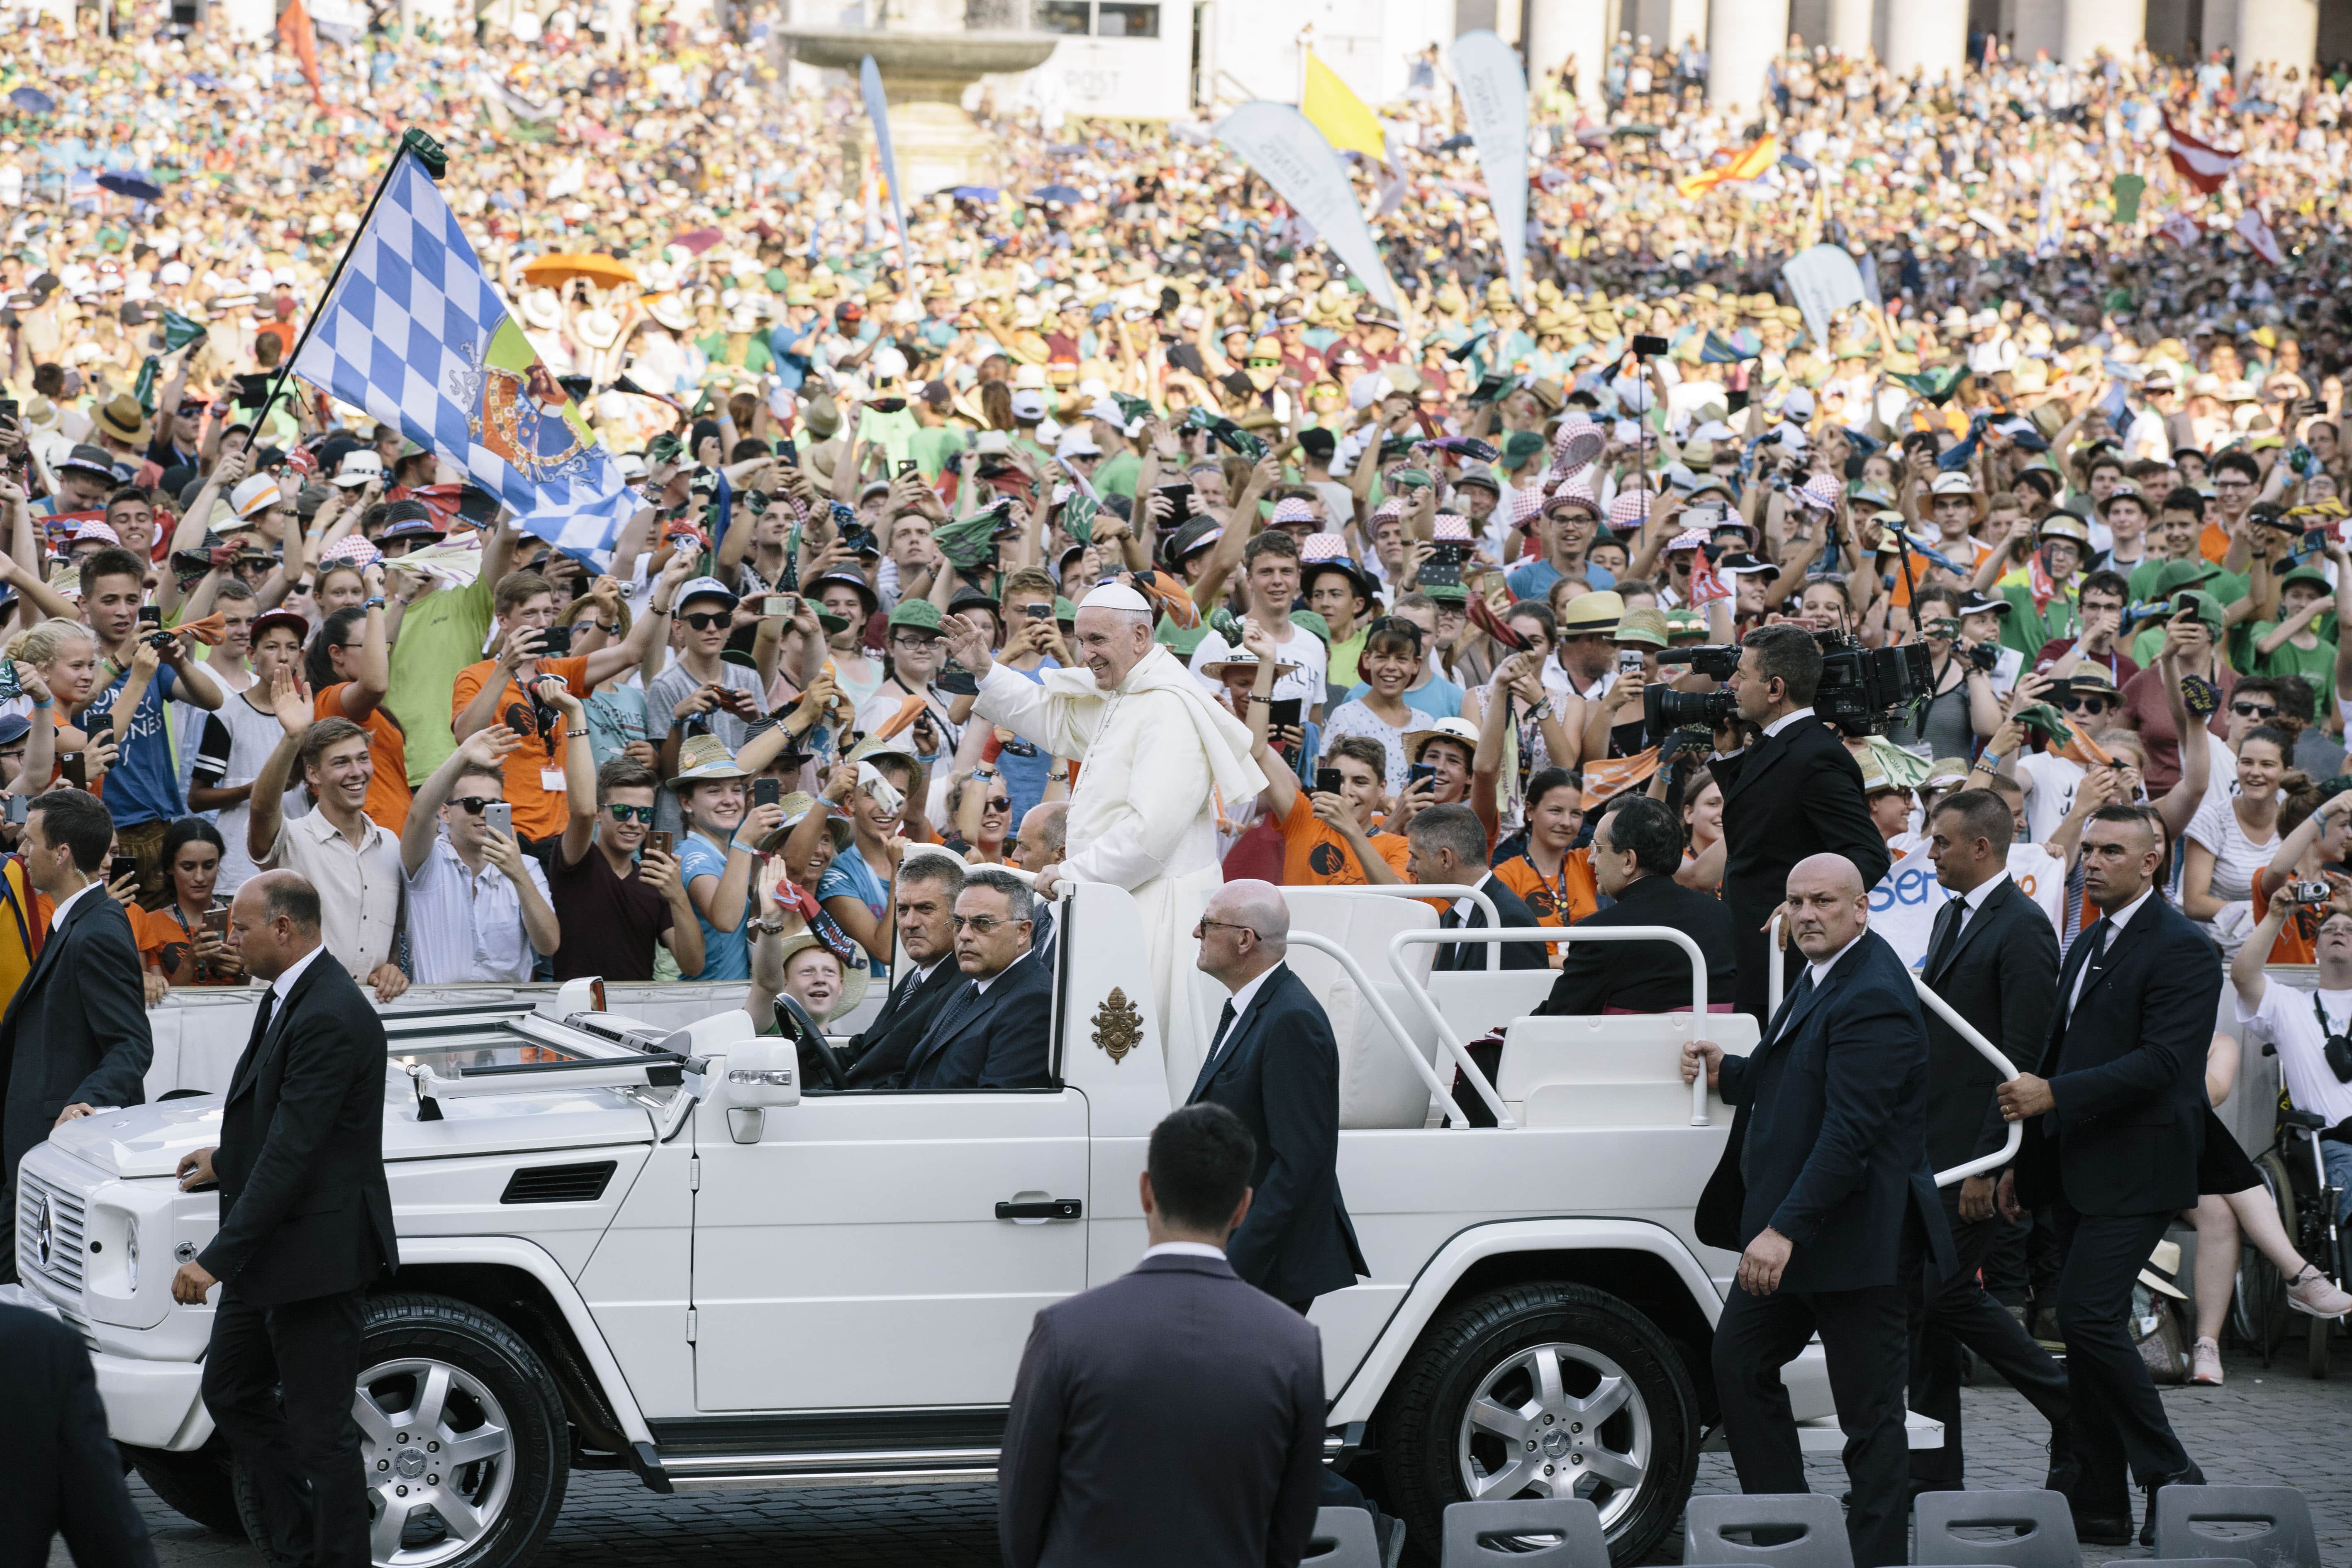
(1829, 1146)
(305, 1209)
(1171, 1416)
(2002, 977)
(1000, 1040)
(1795, 794)
(2127, 1072)
(1646, 977)
(1279, 1070)
(881, 1054)
(76, 1031)
(64, 1475)
(1516, 954)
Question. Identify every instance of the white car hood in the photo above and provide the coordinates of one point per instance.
(149, 1139)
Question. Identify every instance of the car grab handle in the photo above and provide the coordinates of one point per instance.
(1046, 1208)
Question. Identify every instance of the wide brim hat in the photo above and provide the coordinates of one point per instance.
(1589, 614)
(1644, 625)
(1235, 659)
(796, 807)
(855, 977)
(702, 758)
(1459, 730)
(123, 419)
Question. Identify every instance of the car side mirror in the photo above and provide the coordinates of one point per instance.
(760, 1075)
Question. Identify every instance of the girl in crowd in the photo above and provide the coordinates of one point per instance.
(181, 941)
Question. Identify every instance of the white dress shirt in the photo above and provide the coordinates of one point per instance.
(57, 913)
(283, 986)
(1184, 1249)
(1974, 898)
(1782, 722)
(1822, 967)
(2117, 921)
(1464, 907)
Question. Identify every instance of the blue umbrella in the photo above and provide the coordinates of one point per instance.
(983, 193)
(1067, 195)
(125, 183)
(203, 80)
(33, 98)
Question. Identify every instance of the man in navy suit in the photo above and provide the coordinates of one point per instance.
(2115, 1122)
(994, 1030)
(1825, 1190)
(1174, 1415)
(1273, 1062)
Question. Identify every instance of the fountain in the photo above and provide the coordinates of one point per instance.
(927, 59)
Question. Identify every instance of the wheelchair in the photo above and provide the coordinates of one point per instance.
(2296, 1176)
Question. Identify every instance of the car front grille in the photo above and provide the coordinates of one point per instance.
(40, 1207)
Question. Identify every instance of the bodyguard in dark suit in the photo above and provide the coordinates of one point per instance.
(2115, 1115)
(1993, 956)
(1825, 1189)
(64, 1475)
(923, 903)
(1792, 792)
(306, 1228)
(1447, 844)
(994, 1030)
(1637, 850)
(1174, 1415)
(75, 1036)
(1273, 1062)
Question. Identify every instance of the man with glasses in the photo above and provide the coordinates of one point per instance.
(477, 905)
(994, 1030)
(1566, 526)
(2096, 642)
(2237, 479)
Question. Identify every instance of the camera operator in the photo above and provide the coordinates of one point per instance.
(1790, 789)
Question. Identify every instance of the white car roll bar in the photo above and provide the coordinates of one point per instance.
(1775, 980)
(1453, 1042)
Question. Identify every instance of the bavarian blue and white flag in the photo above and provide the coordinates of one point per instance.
(416, 334)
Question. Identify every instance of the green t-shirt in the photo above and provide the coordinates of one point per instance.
(1343, 657)
(895, 432)
(756, 357)
(440, 634)
(2316, 664)
(1117, 475)
(933, 447)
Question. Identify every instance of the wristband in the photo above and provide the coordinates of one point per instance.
(1988, 761)
(44, 702)
(373, 603)
(573, 734)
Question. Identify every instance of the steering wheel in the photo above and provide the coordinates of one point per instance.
(810, 1039)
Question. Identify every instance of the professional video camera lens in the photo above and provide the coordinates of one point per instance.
(1665, 710)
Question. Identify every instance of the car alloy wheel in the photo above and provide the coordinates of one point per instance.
(440, 1460)
(1557, 1420)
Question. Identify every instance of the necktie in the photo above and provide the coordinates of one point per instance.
(1797, 995)
(2098, 935)
(1449, 955)
(1947, 935)
(1224, 1023)
(261, 1016)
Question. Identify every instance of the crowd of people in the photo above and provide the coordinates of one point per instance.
(1523, 590)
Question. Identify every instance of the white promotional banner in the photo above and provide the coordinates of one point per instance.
(1494, 91)
(1904, 906)
(1277, 143)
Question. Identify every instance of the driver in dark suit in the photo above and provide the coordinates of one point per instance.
(306, 1228)
(1637, 850)
(994, 1030)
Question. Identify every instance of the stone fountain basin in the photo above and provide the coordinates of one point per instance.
(961, 54)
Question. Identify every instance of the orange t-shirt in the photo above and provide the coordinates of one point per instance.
(2214, 543)
(540, 811)
(164, 942)
(2298, 939)
(1313, 854)
(1573, 897)
(388, 793)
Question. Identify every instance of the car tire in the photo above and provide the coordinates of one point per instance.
(195, 1483)
(1636, 1462)
(435, 1372)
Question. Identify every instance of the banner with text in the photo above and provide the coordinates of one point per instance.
(1904, 906)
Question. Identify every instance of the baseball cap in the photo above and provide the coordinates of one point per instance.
(705, 588)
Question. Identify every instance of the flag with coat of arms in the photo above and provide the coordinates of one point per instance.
(414, 333)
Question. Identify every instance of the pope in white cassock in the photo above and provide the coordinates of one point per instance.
(1157, 755)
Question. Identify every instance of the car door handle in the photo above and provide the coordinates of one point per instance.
(1047, 1208)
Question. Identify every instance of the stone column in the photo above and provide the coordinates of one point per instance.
(2115, 26)
(1850, 29)
(1742, 39)
(2278, 33)
(1559, 28)
(1685, 19)
(1931, 38)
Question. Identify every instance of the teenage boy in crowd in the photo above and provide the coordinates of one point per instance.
(615, 898)
(142, 787)
(492, 691)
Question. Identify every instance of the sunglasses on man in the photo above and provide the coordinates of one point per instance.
(2253, 710)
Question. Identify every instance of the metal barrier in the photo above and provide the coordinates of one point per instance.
(1774, 974)
(1453, 1042)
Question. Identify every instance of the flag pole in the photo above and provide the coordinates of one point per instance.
(428, 151)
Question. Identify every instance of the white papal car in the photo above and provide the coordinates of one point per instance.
(656, 1249)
